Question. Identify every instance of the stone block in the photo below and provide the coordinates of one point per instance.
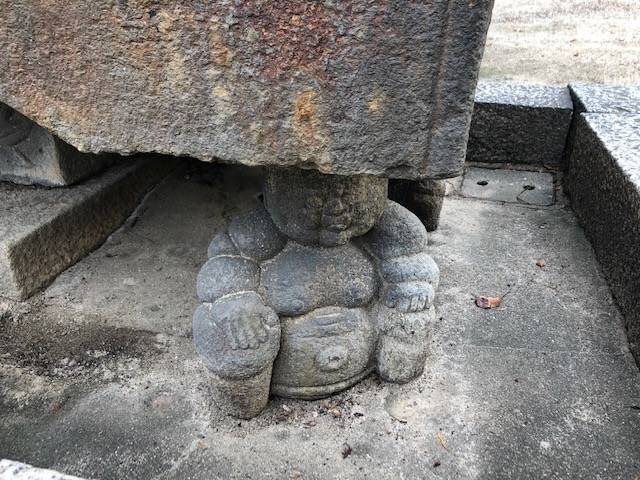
(348, 87)
(518, 123)
(29, 154)
(44, 231)
(603, 182)
(594, 98)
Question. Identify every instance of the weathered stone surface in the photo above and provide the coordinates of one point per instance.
(31, 155)
(10, 470)
(603, 182)
(44, 231)
(328, 270)
(518, 123)
(350, 87)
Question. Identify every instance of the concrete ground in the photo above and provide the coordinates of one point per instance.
(557, 42)
(100, 378)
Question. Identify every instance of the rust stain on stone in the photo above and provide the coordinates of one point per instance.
(291, 35)
(305, 109)
(309, 129)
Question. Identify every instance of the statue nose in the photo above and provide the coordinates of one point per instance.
(335, 206)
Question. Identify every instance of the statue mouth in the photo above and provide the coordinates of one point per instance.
(336, 223)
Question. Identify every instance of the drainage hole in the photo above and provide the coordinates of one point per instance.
(529, 187)
(483, 183)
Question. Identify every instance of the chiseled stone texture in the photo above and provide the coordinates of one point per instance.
(348, 87)
(29, 154)
(44, 231)
(603, 182)
(308, 293)
(519, 123)
(10, 470)
(594, 98)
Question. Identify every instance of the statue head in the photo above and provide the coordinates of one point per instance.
(317, 209)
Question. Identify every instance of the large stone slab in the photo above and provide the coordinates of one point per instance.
(519, 123)
(381, 87)
(44, 231)
(29, 154)
(603, 182)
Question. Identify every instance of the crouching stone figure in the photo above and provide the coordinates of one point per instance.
(310, 292)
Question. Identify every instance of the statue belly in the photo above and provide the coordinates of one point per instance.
(322, 352)
(303, 278)
(327, 339)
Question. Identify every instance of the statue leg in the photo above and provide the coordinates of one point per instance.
(423, 198)
(402, 346)
(245, 397)
(238, 338)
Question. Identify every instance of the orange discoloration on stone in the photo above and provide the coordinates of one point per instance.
(305, 109)
(375, 104)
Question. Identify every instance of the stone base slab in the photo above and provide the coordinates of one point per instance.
(44, 231)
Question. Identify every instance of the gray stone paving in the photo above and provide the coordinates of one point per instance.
(542, 387)
(516, 186)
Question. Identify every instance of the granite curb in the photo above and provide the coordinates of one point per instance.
(520, 124)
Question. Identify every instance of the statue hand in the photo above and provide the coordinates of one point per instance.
(409, 296)
(246, 328)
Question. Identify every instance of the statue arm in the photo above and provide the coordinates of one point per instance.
(235, 255)
(398, 242)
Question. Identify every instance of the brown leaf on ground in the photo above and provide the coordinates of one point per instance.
(440, 439)
(335, 412)
(488, 302)
(541, 263)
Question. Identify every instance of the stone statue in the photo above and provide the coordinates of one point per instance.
(311, 291)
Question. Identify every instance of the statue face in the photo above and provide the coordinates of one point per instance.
(327, 210)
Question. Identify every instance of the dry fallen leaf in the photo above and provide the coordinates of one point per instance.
(346, 450)
(335, 412)
(201, 445)
(541, 263)
(441, 440)
(488, 302)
